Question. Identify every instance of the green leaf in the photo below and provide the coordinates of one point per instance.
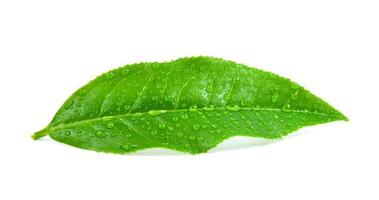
(188, 105)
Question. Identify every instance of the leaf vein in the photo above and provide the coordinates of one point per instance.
(140, 93)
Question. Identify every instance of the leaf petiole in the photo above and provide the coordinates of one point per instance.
(41, 133)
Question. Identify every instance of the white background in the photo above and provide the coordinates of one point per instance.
(48, 49)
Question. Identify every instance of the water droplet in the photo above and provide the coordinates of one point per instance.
(204, 126)
(156, 112)
(68, 104)
(67, 133)
(180, 134)
(167, 98)
(125, 71)
(100, 134)
(276, 116)
(155, 98)
(274, 98)
(162, 126)
(127, 107)
(193, 108)
(154, 66)
(294, 95)
(110, 125)
(106, 119)
(82, 92)
(192, 137)
(218, 131)
(110, 75)
(233, 108)
(154, 133)
(209, 108)
(184, 116)
(175, 119)
(196, 127)
(209, 88)
(200, 139)
(128, 147)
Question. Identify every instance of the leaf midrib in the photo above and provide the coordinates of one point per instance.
(205, 109)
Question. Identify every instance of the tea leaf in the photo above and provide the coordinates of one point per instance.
(188, 105)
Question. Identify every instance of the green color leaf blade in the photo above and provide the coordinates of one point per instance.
(189, 105)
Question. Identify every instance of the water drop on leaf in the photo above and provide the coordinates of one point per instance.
(294, 95)
(209, 87)
(233, 108)
(274, 98)
(209, 108)
(162, 126)
(110, 125)
(193, 108)
(68, 105)
(155, 98)
(156, 112)
(196, 127)
(100, 134)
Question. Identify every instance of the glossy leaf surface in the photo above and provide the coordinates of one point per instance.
(189, 105)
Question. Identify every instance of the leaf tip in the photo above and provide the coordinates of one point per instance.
(344, 118)
(341, 116)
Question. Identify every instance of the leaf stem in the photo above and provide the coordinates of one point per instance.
(41, 133)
